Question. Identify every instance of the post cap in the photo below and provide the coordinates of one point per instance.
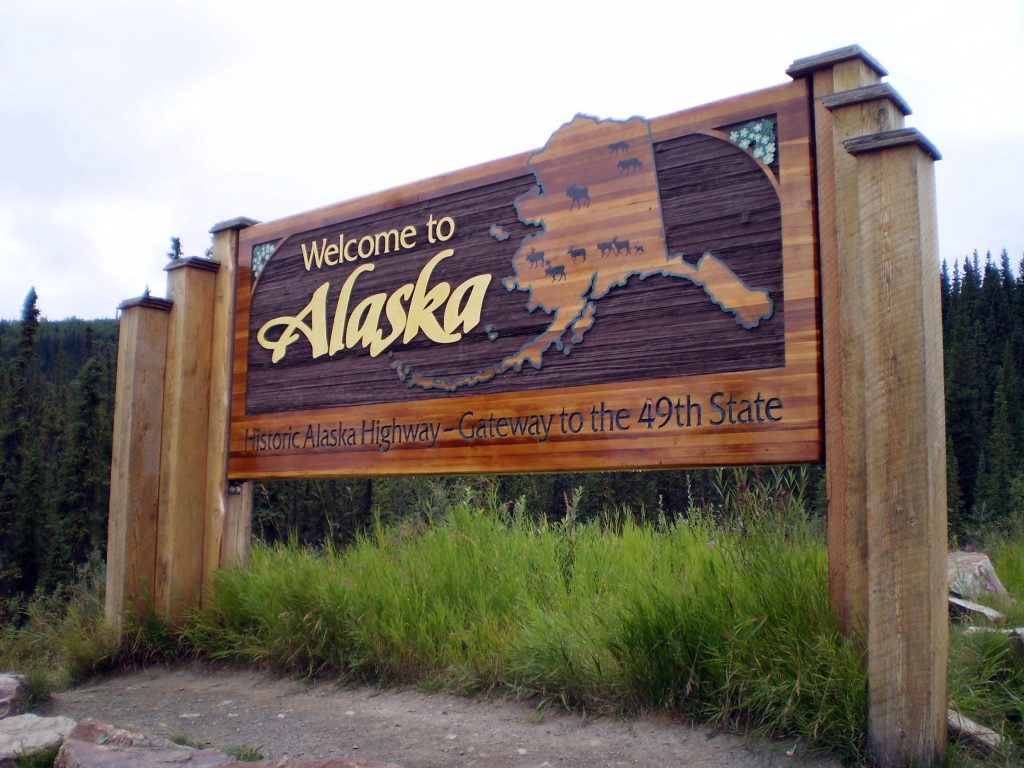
(239, 222)
(808, 65)
(196, 262)
(887, 139)
(147, 301)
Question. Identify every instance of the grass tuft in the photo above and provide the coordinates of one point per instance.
(245, 754)
(57, 638)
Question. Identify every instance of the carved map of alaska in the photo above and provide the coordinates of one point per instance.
(597, 207)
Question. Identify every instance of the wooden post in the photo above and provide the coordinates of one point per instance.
(908, 625)
(228, 513)
(135, 459)
(884, 419)
(183, 462)
(846, 71)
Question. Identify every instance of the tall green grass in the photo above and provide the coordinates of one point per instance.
(57, 638)
(681, 616)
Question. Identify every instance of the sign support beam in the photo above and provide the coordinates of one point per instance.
(135, 459)
(884, 404)
(228, 510)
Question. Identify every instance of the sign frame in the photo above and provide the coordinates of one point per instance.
(607, 433)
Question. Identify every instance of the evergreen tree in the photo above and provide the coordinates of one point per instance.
(21, 461)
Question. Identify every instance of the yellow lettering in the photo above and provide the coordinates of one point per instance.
(410, 310)
(424, 302)
(385, 236)
(396, 316)
(341, 310)
(368, 239)
(409, 231)
(314, 254)
(364, 321)
(467, 315)
(331, 250)
(315, 332)
(349, 256)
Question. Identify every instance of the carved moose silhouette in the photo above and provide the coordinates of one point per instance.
(534, 257)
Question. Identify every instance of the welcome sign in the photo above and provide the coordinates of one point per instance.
(637, 293)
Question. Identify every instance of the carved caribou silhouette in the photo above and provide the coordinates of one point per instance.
(629, 165)
(577, 253)
(554, 272)
(580, 196)
(534, 257)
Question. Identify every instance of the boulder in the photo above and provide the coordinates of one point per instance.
(12, 694)
(328, 762)
(974, 735)
(960, 608)
(93, 744)
(29, 734)
(970, 574)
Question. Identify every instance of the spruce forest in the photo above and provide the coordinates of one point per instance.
(56, 408)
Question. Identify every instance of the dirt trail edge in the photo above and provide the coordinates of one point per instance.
(285, 717)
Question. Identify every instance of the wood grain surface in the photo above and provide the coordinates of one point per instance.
(135, 458)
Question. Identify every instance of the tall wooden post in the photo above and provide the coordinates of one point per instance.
(184, 448)
(884, 405)
(908, 624)
(228, 508)
(135, 459)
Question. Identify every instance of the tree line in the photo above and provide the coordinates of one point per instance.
(56, 414)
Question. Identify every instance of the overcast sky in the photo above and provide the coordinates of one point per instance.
(125, 123)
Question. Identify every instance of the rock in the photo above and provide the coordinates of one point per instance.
(329, 762)
(970, 574)
(977, 736)
(959, 607)
(93, 744)
(12, 694)
(29, 734)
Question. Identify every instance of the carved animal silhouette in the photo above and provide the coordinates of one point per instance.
(620, 246)
(639, 249)
(580, 196)
(630, 165)
(554, 272)
(619, 146)
(577, 253)
(606, 247)
(534, 257)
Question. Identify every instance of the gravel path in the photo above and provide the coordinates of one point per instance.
(284, 717)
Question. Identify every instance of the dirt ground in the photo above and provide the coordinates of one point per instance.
(226, 708)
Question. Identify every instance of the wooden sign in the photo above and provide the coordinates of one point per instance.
(638, 293)
(635, 294)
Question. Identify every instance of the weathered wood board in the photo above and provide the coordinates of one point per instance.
(638, 293)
